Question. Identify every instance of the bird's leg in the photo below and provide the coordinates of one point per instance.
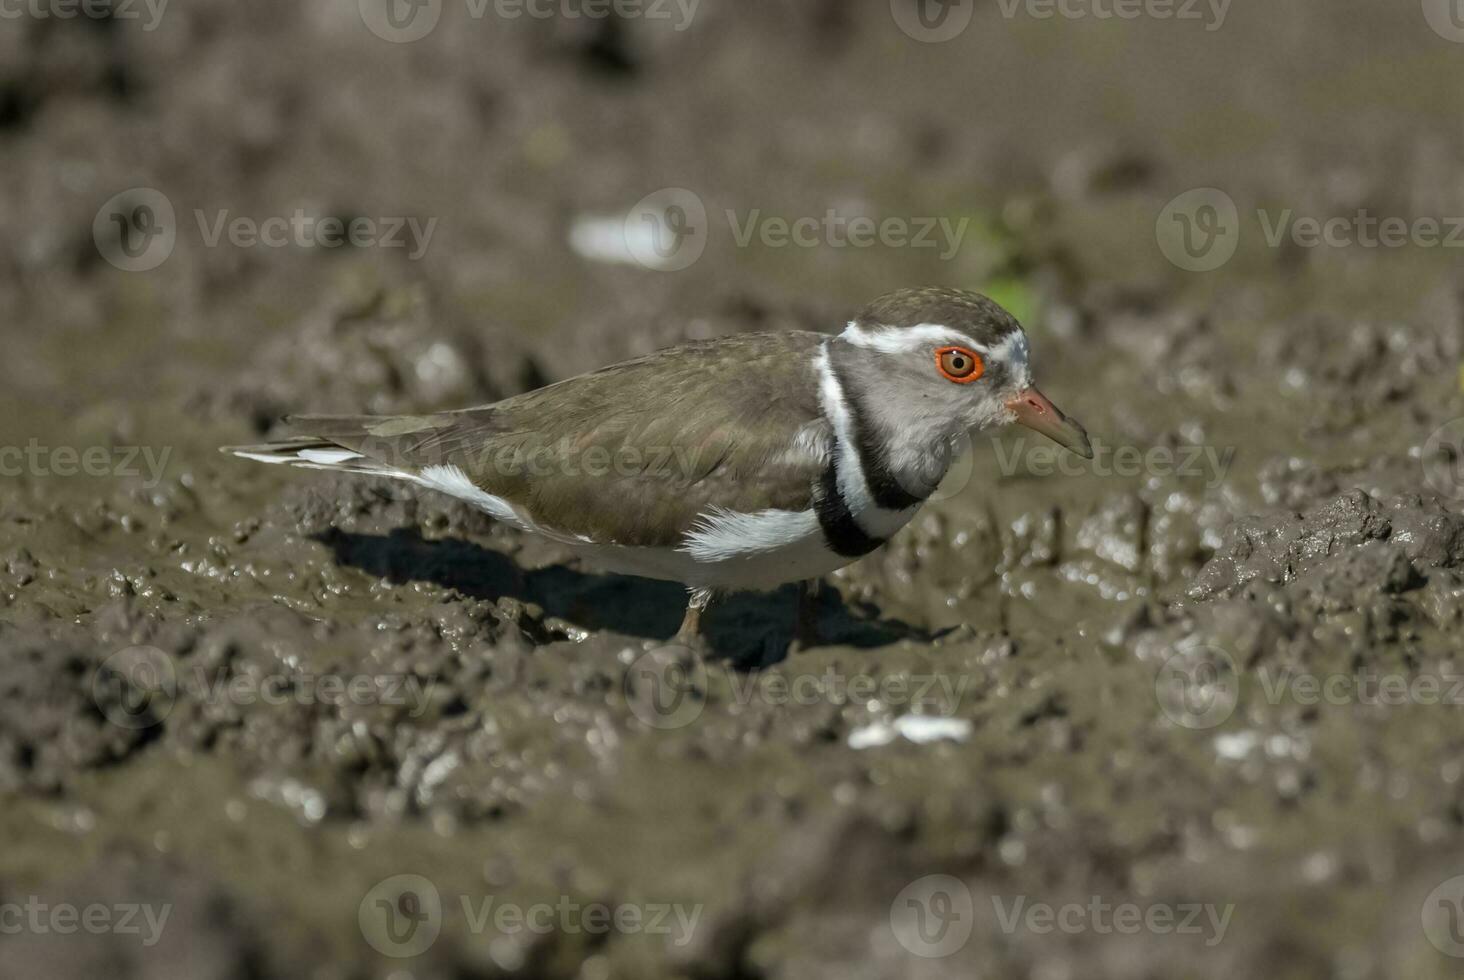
(696, 603)
(805, 624)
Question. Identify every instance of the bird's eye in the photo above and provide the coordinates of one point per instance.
(959, 364)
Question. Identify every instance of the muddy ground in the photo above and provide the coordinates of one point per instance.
(1200, 707)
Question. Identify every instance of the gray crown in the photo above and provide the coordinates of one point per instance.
(971, 313)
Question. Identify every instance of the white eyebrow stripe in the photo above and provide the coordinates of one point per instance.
(901, 340)
(1014, 352)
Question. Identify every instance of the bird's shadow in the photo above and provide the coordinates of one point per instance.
(749, 629)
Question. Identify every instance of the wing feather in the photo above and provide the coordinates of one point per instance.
(635, 453)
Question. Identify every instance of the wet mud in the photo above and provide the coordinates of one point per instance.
(1211, 673)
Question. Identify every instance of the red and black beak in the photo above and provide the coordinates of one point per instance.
(1036, 412)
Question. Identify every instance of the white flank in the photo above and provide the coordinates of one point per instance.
(724, 535)
(853, 486)
(915, 728)
(455, 483)
(810, 444)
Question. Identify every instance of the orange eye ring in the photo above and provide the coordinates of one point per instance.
(959, 364)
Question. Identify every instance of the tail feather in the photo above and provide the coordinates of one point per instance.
(380, 445)
(334, 426)
(312, 452)
(417, 448)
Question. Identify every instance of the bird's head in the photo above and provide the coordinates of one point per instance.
(946, 361)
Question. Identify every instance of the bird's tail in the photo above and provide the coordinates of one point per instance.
(325, 442)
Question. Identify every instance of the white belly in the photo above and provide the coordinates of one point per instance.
(731, 551)
(725, 550)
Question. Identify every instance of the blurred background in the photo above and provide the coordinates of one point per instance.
(1231, 229)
